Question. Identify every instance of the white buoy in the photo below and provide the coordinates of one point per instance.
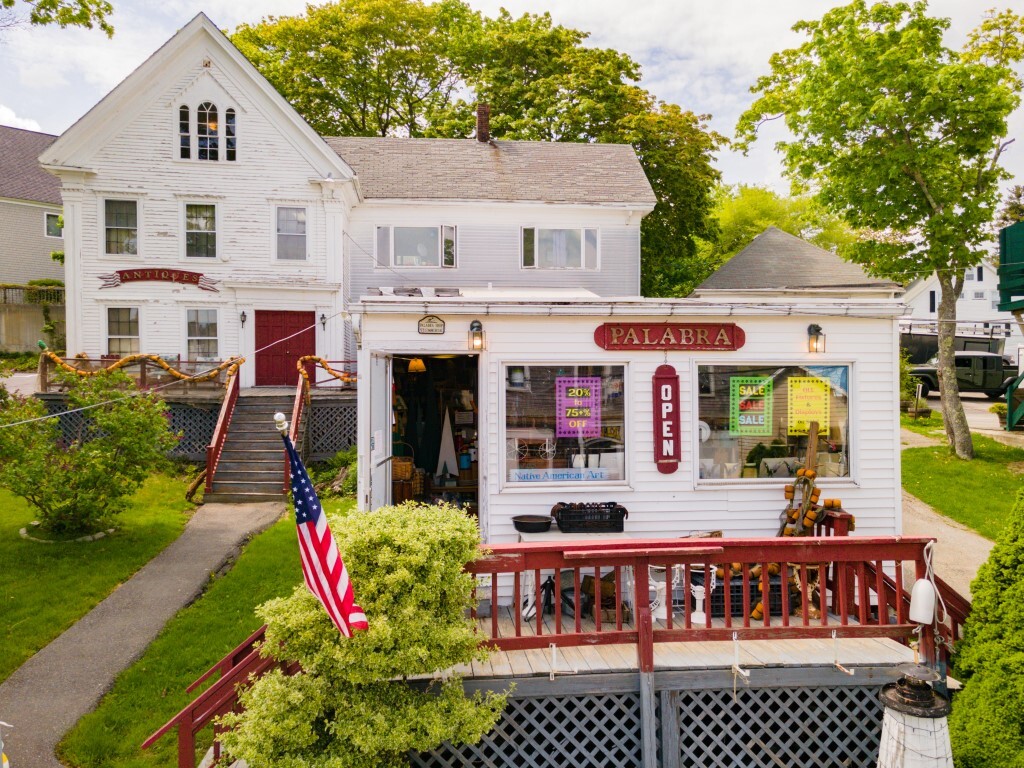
(915, 733)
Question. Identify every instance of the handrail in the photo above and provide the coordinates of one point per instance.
(220, 433)
(808, 587)
(301, 395)
(1014, 415)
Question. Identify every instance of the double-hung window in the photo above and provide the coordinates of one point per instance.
(291, 233)
(416, 246)
(200, 231)
(202, 334)
(121, 223)
(122, 331)
(559, 248)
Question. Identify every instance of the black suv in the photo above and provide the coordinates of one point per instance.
(975, 372)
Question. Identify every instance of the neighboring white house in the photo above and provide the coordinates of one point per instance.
(30, 208)
(977, 309)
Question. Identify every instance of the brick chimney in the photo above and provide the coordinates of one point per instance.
(483, 122)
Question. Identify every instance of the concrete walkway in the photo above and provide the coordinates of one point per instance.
(959, 551)
(48, 694)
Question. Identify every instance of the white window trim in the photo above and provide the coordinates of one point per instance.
(583, 256)
(106, 323)
(182, 219)
(505, 486)
(184, 330)
(391, 256)
(46, 233)
(273, 232)
(101, 221)
(853, 437)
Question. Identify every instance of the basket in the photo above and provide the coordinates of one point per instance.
(402, 466)
(589, 517)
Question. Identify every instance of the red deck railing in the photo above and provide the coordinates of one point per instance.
(220, 432)
(808, 587)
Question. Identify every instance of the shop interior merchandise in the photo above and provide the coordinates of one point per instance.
(434, 430)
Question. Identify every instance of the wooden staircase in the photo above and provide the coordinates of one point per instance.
(251, 466)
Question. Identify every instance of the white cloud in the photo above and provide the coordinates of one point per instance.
(8, 117)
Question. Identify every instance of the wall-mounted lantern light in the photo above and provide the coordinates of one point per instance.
(323, 321)
(815, 338)
(243, 317)
(476, 336)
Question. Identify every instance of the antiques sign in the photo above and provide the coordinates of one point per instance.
(578, 406)
(430, 324)
(659, 336)
(750, 405)
(114, 279)
(667, 446)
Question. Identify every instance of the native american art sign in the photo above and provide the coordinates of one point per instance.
(114, 279)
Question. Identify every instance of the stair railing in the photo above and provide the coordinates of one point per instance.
(1014, 415)
(301, 396)
(220, 433)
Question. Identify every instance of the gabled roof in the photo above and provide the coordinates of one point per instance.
(777, 260)
(21, 176)
(525, 171)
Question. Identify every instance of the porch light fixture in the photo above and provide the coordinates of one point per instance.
(476, 336)
(323, 321)
(815, 338)
(243, 317)
(416, 365)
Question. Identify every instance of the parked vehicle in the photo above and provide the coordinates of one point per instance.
(975, 372)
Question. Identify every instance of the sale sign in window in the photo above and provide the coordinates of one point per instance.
(808, 401)
(750, 405)
(578, 404)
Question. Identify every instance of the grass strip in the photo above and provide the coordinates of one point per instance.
(977, 493)
(152, 691)
(45, 588)
(931, 426)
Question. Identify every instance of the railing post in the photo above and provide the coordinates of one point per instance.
(645, 661)
(186, 743)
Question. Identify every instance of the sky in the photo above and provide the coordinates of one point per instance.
(701, 55)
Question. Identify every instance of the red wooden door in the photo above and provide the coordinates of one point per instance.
(275, 366)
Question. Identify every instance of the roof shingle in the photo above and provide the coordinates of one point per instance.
(21, 176)
(467, 169)
(778, 260)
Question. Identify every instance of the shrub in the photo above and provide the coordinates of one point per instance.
(908, 383)
(987, 722)
(351, 706)
(79, 485)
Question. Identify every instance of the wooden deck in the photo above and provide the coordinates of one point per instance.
(678, 656)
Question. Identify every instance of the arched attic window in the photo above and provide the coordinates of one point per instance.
(206, 130)
(184, 133)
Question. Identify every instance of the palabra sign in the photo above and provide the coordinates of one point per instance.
(114, 279)
(667, 446)
(659, 336)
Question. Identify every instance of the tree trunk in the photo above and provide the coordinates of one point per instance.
(957, 431)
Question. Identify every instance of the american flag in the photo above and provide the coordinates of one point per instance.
(322, 566)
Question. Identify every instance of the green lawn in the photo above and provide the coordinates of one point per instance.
(44, 588)
(152, 691)
(976, 493)
(932, 426)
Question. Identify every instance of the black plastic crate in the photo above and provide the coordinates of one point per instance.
(589, 517)
(735, 595)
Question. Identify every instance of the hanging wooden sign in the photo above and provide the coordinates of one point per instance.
(668, 451)
(114, 279)
(663, 336)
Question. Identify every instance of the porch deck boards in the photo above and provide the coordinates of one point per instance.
(675, 656)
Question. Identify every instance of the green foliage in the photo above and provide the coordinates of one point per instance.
(351, 705)
(82, 573)
(403, 68)
(325, 473)
(18, 361)
(987, 722)
(908, 383)
(78, 486)
(1013, 207)
(998, 409)
(974, 493)
(68, 13)
(902, 137)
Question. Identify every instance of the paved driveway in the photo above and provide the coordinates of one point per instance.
(21, 383)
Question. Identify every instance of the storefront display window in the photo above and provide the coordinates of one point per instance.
(755, 420)
(564, 423)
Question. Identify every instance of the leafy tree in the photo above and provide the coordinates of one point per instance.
(743, 212)
(987, 722)
(351, 704)
(902, 137)
(1013, 208)
(399, 67)
(80, 484)
(63, 13)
